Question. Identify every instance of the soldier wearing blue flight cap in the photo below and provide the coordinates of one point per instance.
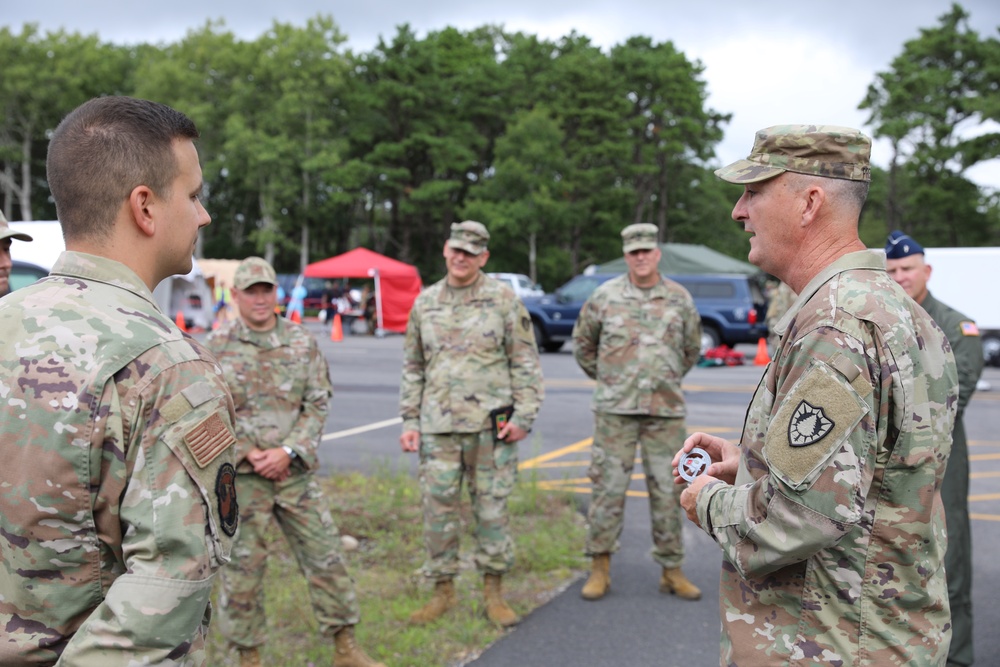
(906, 264)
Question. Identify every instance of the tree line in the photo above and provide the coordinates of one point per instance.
(310, 149)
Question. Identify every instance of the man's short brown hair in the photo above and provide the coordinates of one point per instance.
(103, 150)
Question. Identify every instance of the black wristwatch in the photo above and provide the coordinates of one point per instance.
(291, 452)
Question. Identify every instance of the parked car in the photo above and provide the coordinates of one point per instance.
(731, 308)
(23, 274)
(520, 283)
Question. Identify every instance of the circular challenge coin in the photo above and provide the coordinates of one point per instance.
(693, 463)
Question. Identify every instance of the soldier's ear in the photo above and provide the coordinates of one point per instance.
(140, 206)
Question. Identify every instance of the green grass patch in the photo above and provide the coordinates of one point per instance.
(383, 512)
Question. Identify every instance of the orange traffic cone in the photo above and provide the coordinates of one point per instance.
(179, 320)
(336, 332)
(762, 358)
(296, 317)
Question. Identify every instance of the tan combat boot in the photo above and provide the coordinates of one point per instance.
(348, 653)
(600, 578)
(443, 600)
(249, 657)
(497, 609)
(674, 581)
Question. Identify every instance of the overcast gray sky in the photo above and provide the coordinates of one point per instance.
(766, 62)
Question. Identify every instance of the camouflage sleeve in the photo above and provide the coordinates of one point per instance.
(411, 385)
(586, 336)
(307, 429)
(178, 515)
(692, 335)
(818, 446)
(525, 367)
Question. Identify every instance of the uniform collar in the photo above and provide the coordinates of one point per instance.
(74, 264)
(862, 259)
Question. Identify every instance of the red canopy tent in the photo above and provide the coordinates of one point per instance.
(397, 284)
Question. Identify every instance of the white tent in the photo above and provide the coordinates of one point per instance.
(188, 294)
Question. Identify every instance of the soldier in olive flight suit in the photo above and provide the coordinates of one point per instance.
(827, 513)
(469, 351)
(905, 262)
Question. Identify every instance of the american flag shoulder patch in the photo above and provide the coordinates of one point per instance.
(209, 438)
(969, 328)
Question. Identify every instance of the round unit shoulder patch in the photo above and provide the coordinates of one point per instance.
(225, 492)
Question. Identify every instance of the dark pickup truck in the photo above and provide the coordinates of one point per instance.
(731, 306)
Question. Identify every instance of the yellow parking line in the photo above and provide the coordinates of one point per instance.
(985, 517)
(981, 443)
(984, 496)
(562, 464)
(569, 449)
(992, 473)
(984, 457)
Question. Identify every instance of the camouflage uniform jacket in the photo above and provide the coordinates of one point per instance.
(468, 351)
(638, 344)
(833, 535)
(117, 501)
(281, 388)
(965, 343)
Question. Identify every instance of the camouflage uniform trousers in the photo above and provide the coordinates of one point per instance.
(303, 514)
(489, 468)
(611, 464)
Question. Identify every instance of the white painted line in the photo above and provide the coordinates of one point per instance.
(362, 429)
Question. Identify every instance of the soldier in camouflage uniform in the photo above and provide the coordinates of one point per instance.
(638, 335)
(905, 262)
(6, 234)
(828, 513)
(469, 350)
(118, 505)
(281, 390)
(779, 303)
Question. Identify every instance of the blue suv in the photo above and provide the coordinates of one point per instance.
(731, 306)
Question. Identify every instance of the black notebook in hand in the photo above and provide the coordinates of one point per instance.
(499, 418)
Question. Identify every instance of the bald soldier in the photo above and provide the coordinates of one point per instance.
(637, 335)
(118, 504)
(828, 512)
(905, 261)
(6, 235)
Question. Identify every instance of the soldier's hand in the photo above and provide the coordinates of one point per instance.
(724, 454)
(272, 464)
(689, 497)
(410, 441)
(511, 432)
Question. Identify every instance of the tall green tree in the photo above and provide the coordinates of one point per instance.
(932, 106)
(526, 195)
(672, 132)
(44, 77)
(422, 116)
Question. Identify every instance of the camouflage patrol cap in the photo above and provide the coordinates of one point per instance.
(818, 150)
(7, 233)
(470, 236)
(253, 270)
(640, 236)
